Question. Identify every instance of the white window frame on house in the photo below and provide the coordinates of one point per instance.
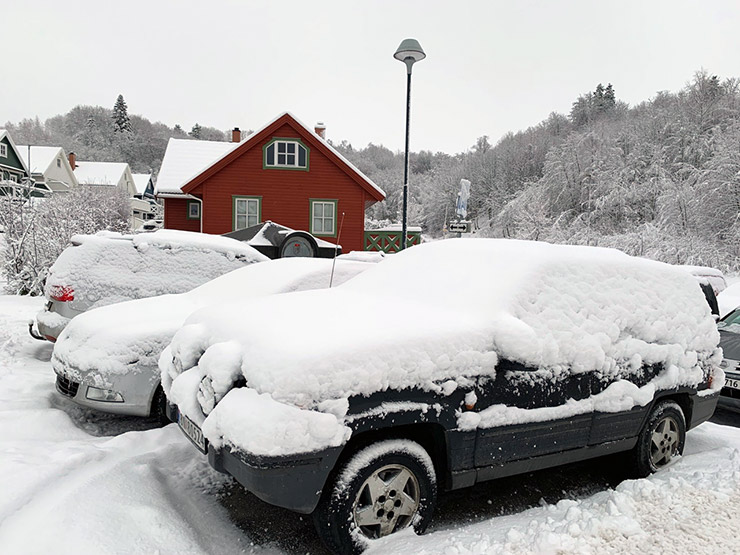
(193, 214)
(324, 217)
(286, 154)
(13, 178)
(3, 150)
(247, 211)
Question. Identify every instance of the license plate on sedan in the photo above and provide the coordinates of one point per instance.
(732, 384)
(193, 432)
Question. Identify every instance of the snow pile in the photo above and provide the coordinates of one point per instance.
(450, 310)
(687, 507)
(729, 299)
(291, 429)
(107, 268)
(127, 338)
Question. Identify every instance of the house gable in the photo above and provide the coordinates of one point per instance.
(12, 161)
(286, 127)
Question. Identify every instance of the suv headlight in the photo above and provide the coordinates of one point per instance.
(107, 395)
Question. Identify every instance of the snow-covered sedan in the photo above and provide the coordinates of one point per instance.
(106, 268)
(449, 364)
(106, 359)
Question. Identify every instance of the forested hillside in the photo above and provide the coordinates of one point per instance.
(108, 135)
(660, 179)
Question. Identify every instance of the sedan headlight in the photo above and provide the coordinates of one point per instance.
(107, 395)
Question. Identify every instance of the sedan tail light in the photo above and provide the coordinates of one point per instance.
(62, 293)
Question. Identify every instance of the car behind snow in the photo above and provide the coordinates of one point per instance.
(451, 363)
(729, 331)
(106, 268)
(106, 358)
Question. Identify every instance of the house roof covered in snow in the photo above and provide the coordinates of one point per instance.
(141, 180)
(100, 173)
(41, 156)
(186, 158)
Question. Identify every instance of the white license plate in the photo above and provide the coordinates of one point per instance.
(192, 431)
(733, 384)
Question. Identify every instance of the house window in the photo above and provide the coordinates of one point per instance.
(13, 178)
(4, 150)
(193, 210)
(324, 217)
(286, 153)
(59, 163)
(247, 212)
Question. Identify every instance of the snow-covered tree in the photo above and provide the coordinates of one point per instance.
(121, 121)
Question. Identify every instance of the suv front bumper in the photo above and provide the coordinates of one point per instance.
(293, 482)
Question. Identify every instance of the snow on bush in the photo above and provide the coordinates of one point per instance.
(38, 229)
(451, 310)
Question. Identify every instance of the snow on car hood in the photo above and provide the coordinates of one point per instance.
(449, 310)
(129, 337)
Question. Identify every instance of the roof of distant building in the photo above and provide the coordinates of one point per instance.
(100, 173)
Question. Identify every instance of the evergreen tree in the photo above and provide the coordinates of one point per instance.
(609, 98)
(89, 137)
(121, 121)
(195, 133)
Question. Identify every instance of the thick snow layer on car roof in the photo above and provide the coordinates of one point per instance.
(452, 309)
(128, 337)
(108, 268)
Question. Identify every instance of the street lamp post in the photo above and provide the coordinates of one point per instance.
(408, 52)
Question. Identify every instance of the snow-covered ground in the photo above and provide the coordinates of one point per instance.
(74, 481)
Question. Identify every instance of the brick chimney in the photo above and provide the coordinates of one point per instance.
(236, 135)
(72, 160)
(320, 129)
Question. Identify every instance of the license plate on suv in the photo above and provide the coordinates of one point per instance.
(732, 384)
(193, 432)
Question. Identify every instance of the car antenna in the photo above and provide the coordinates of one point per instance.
(336, 250)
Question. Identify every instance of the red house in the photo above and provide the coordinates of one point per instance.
(285, 172)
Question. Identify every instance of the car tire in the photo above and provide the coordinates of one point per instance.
(159, 406)
(387, 486)
(662, 438)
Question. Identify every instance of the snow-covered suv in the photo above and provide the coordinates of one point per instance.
(449, 364)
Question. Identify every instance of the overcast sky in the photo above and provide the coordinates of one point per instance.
(491, 66)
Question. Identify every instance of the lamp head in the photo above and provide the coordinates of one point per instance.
(408, 52)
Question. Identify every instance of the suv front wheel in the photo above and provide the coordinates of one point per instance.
(660, 440)
(381, 489)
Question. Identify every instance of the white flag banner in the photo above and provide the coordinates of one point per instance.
(462, 198)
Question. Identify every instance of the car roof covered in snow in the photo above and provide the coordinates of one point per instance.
(452, 309)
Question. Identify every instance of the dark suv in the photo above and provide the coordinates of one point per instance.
(547, 355)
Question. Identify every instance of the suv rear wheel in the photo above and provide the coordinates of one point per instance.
(381, 489)
(661, 439)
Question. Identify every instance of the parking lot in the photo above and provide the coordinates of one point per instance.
(76, 481)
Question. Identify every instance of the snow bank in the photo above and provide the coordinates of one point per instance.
(107, 268)
(451, 310)
(688, 507)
